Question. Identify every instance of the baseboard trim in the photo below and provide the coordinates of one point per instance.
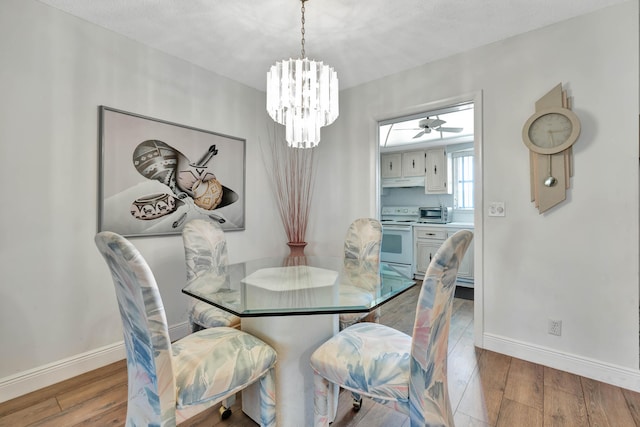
(46, 375)
(583, 366)
(52, 373)
(178, 331)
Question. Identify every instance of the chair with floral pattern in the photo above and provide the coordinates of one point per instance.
(390, 367)
(171, 382)
(362, 243)
(205, 250)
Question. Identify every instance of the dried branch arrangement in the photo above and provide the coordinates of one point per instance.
(292, 173)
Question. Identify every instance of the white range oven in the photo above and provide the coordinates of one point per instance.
(397, 237)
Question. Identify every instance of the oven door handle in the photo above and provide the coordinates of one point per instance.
(397, 227)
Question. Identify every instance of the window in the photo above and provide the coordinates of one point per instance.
(463, 179)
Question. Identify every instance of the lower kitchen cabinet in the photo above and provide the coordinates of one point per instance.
(427, 241)
(465, 270)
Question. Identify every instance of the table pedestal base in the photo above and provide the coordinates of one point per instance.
(294, 338)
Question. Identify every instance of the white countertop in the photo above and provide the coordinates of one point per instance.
(447, 225)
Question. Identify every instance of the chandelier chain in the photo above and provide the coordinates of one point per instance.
(302, 30)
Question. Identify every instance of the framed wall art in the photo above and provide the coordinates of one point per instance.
(154, 176)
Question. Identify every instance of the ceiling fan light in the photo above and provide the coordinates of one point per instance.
(431, 123)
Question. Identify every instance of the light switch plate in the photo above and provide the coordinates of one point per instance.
(496, 208)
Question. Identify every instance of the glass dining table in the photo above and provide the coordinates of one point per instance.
(293, 304)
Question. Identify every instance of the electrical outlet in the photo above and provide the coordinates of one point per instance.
(555, 327)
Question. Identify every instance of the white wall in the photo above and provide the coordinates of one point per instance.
(579, 261)
(56, 300)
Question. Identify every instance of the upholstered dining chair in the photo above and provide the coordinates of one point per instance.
(362, 244)
(205, 250)
(171, 382)
(408, 374)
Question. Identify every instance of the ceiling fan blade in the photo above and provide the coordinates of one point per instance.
(441, 129)
(407, 128)
(419, 134)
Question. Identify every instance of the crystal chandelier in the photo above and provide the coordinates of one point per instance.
(302, 95)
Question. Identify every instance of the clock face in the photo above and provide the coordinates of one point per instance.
(551, 131)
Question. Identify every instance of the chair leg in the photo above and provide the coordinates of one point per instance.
(225, 407)
(357, 401)
(225, 411)
(320, 400)
(268, 399)
(229, 401)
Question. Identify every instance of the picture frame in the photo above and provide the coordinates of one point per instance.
(156, 175)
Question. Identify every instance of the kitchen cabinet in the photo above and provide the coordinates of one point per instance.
(391, 165)
(465, 270)
(403, 169)
(427, 241)
(413, 163)
(438, 171)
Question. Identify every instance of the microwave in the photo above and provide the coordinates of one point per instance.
(437, 214)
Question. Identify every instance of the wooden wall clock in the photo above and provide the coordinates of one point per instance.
(549, 134)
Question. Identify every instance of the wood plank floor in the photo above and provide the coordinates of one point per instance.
(486, 389)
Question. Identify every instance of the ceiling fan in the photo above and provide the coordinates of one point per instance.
(429, 124)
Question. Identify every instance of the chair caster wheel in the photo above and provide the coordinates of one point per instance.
(225, 412)
(357, 404)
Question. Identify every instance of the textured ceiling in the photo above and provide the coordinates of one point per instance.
(362, 39)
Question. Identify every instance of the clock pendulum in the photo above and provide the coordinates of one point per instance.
(549, 135)
(551, 180)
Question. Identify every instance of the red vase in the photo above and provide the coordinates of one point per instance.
(296, 249)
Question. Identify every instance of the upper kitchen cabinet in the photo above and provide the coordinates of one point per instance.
(413, 163)
(438, 172)
(391, 165)
(404, 169)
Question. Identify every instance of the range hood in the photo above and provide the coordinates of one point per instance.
(412, 181)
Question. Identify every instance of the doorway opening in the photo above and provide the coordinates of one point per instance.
(408, 141)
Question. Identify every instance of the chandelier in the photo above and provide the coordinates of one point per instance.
(302, 95)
